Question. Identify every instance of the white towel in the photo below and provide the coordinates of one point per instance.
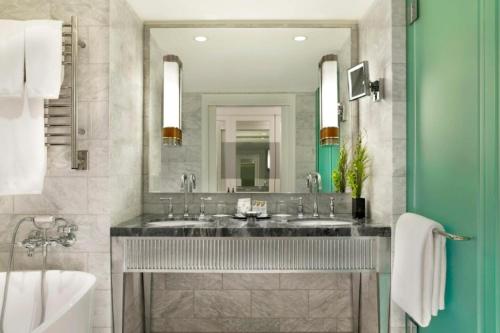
(22, 146)
(419, 272)
(44, 58)
(11, 58)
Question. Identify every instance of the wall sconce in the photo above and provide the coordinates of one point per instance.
(329, 101)
(360, 84)
(172, 100)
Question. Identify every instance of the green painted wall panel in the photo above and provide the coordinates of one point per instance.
(327, 157)
(452, 153)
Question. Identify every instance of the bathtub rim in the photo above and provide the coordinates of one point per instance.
(90, 282)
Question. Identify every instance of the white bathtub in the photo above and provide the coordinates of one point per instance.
(69, 307)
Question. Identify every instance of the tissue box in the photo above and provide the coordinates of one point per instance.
(244, 205)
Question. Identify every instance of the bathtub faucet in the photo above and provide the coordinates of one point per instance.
(39, 238)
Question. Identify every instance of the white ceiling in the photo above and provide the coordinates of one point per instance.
(159, 10)
(250, 59)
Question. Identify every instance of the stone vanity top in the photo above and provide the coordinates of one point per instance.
(137, 227)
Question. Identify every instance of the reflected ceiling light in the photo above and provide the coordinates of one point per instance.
(299, 38)
(172, 100)
(329, 100)
(201, 39)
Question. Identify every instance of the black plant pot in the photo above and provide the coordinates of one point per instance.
(358, 208)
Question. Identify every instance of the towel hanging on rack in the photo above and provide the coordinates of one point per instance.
(11, 58)
(44, 58)
(419, 270)
(22, 145)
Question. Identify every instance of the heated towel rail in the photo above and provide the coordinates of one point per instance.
(61, 115)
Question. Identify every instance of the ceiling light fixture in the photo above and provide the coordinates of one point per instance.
(299, 38)
(201, 39)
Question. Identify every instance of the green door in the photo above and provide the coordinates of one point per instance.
(452, 154)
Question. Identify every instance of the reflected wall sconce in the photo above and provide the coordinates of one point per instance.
(172, 100)
(329, 101)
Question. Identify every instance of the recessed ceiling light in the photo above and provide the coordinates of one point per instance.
(299, 38)
(201, 39)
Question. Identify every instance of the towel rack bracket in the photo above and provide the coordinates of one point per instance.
(82, 156)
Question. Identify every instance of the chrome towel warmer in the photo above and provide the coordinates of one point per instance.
(61, 115)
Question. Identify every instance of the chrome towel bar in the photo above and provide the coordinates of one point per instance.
(450, 236)
(67, 100)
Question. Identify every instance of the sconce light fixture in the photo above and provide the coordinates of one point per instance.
(329, 101)
(172, 100)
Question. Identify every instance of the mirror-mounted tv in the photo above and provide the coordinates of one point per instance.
(359, 83)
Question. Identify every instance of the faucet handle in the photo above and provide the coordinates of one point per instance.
(206, 198)
(332, 207)
(299, 199)
(170, 207)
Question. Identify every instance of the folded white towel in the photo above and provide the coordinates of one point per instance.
(22, 146)
(11, 58)
(44, 58)
(419, 272)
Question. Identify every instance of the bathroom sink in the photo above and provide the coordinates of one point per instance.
(179, 223)
(319, 223)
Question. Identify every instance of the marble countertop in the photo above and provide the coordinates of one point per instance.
(138, 227)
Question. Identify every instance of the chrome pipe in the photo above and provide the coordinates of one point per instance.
(74, 93)
(9, 269)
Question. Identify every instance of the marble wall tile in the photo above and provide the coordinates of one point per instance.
(264, 325)
(6, 205)
(25, 9)
(329, 303)
(187, 325)
(250, 281)
(99, 265)
(173, 303)
(102, 308)
(181, 281)
(98, 44)
(92, 12)
(99, 120)
(222, 303)
(308, 281)
(61, 195)
(93, 82)
(344, 325)
(99, 202)
(279, 303)
(308, 325)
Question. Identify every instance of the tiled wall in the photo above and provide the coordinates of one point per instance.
(232, 302)
(382, 41)
(126, 111)
(83, 197)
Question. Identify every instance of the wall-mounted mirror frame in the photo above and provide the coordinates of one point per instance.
(350, 108)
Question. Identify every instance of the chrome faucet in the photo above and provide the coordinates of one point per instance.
(313, 181)
(188, 184)
(202, 208)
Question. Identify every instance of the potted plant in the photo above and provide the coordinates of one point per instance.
(339, 175)
(356, 175)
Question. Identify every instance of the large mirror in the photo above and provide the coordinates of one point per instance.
(243, 107)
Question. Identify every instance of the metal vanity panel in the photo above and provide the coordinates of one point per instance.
(256, 254)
